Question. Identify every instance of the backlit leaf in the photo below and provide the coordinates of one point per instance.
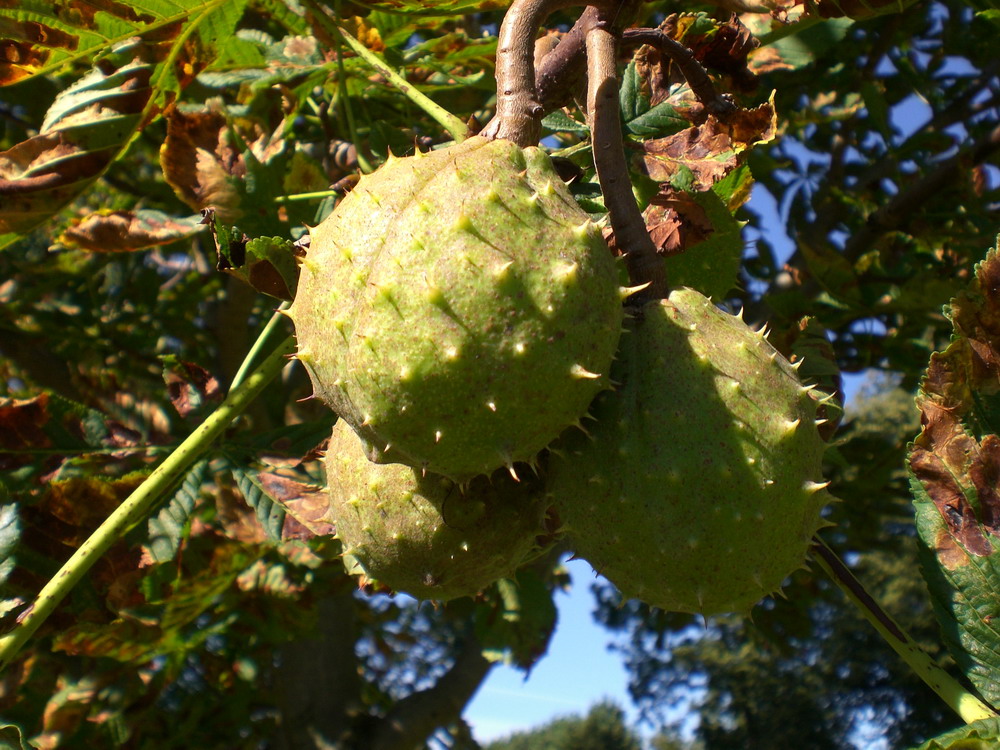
(111, 231)
(433, 7)
(41, 37)
(85, 129)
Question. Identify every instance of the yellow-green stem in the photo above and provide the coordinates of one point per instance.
(141, 502)
(960, 700)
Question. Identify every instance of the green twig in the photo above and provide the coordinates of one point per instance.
(342, 97)
(264, 341)
(458, 129)
(960, 700)
(142, 501)
(308, 196)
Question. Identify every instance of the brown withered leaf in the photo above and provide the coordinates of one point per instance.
(22, 423)
(125, 231)
(724, 48)
(201, 164)
(955, 401)
(191, 387)
(708, 151)
(675, 222)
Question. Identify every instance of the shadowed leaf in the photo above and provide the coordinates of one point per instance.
(12, 739)
(979, 735)
(166, 529)
(259, 492)
(519, 629)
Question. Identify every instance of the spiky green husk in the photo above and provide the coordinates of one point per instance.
(700, 486)
(423, 534)
(459, 307)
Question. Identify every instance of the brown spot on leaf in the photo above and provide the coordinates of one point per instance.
(710, 150)
(948, 497)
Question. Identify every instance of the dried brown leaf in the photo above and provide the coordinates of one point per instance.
(125, 231)
(190, 386)
(200, 163)
(676, 222)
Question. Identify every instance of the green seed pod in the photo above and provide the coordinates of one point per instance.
(423, 534)
(700, 486)
(458, 309)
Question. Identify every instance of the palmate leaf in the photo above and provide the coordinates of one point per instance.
(92, 122)
(955, 477)
(41, 36)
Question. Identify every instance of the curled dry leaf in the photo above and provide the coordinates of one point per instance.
(675, 221)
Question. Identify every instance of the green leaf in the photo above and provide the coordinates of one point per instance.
(270, 513)
(560, 122)
(979, 735)
(799, 45)
(712, 265)
(955, 472)
(433, 7)
(167, 529)
(630, 97)
(661, 120)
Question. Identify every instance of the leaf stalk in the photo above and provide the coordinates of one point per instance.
(142, 501)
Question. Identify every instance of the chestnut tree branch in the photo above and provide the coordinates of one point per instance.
(643, 263)
(519, 112)
(412, 719)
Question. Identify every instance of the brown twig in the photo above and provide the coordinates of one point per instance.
(519, 109)
(644, 265)
(684, 59)
(562, 75)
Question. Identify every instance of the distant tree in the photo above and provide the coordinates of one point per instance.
(603, 728)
